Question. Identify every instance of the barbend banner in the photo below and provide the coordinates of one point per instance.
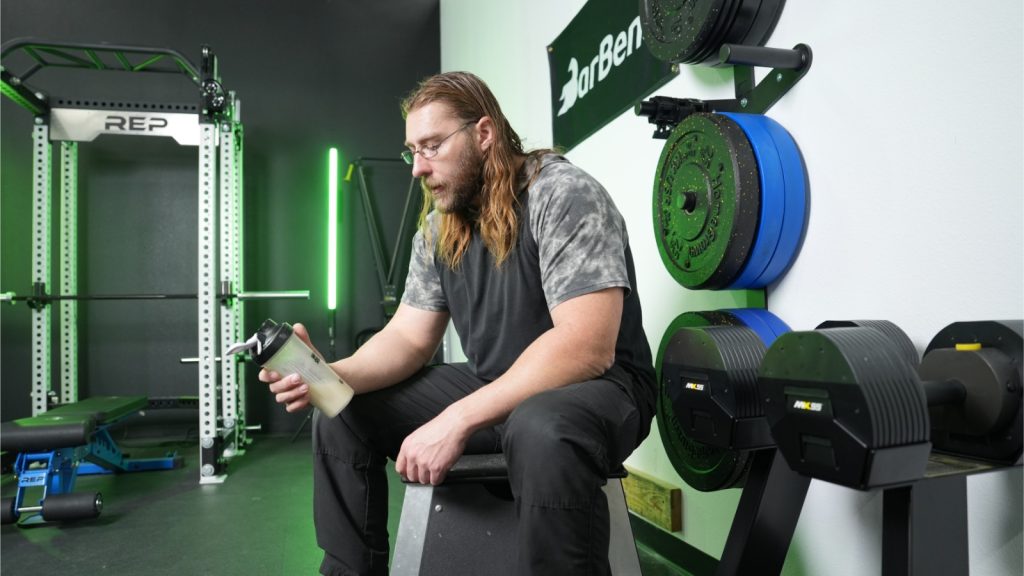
(599, 69)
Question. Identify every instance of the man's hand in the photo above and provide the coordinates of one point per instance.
(428, 453)
(289, 389)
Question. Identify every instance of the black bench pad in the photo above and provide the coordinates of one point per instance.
(488, 468)
(68, 425)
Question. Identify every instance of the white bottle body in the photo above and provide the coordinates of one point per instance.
(327, 391)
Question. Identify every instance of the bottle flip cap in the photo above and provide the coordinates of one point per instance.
(267, 340)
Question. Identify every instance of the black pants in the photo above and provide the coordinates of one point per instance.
(560, 446)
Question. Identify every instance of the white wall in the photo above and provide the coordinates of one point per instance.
(911, 122)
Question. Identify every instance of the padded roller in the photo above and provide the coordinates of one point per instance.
(7, 512)
(45, 433)
(73, 506)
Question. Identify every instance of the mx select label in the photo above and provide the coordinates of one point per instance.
(599, 68)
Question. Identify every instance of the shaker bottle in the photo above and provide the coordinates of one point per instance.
(280, 350)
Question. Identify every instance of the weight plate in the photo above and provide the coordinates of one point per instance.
(703, 467)
(761, 28)
(706, 201)
(773, 199)
(734, 27)
(708, 53)
(778, 325)
(894, 333)
(773, 326)
(755, 323)
(796, 203)
(677, 30)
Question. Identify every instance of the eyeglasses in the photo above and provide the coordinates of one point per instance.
(428, 152)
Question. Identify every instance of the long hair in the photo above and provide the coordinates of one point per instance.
(470, 99)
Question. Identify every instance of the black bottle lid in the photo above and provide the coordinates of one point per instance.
(272, 337)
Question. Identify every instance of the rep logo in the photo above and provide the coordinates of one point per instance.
(134, 123)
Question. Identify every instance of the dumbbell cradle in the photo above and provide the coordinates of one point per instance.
(845, 403)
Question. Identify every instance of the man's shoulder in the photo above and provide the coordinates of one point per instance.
(555, 177)
(431, 228)
(552, 167)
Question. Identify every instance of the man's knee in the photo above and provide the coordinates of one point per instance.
(548, 435)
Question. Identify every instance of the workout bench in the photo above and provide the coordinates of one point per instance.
(56, 446)
(467, 524)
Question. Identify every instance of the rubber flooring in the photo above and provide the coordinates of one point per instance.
(258, 522)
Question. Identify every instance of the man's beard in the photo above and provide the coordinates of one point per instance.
(460, 194)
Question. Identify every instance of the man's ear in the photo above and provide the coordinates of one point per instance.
(485, 133)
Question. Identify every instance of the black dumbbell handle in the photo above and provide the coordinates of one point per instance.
(944, 392)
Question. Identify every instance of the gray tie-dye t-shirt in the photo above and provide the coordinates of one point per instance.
(572, 241)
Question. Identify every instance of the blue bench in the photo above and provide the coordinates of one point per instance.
(56, 446)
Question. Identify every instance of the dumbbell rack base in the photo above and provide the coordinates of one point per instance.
(765, 519)
(924, 524)
(924, 528)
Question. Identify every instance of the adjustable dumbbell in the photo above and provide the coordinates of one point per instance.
(846, 404)
(709, 413)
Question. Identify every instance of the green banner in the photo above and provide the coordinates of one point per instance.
(599, 69)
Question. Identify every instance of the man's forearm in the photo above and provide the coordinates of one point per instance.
(386, 359)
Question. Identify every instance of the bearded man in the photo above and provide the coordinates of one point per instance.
(528, 257)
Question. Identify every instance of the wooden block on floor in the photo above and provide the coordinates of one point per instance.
(659, 502)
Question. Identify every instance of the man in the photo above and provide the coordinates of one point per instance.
(529, 258)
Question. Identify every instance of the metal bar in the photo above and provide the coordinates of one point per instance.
(255, 295)
(403, 224)
(228, 241)
(14, 88)
(69, 272)
(41, 327)
(124, 61)
(924, 528)
(143, 65)
(279, 295)
(207, 309)
(371, 225)
(29, 45)
(81, 62)
(195, 360)
(765, 519)
(100, 64)
(243, 437)
(35, 56)
(738, 54)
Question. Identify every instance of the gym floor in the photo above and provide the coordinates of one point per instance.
(258, 522)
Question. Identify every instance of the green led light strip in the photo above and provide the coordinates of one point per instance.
(332, 229)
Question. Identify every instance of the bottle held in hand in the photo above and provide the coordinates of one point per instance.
(277, 348)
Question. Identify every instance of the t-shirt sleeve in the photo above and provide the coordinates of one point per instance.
(580, 234)
(422, 283)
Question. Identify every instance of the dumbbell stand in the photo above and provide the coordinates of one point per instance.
(924, 528)
(765, 519)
